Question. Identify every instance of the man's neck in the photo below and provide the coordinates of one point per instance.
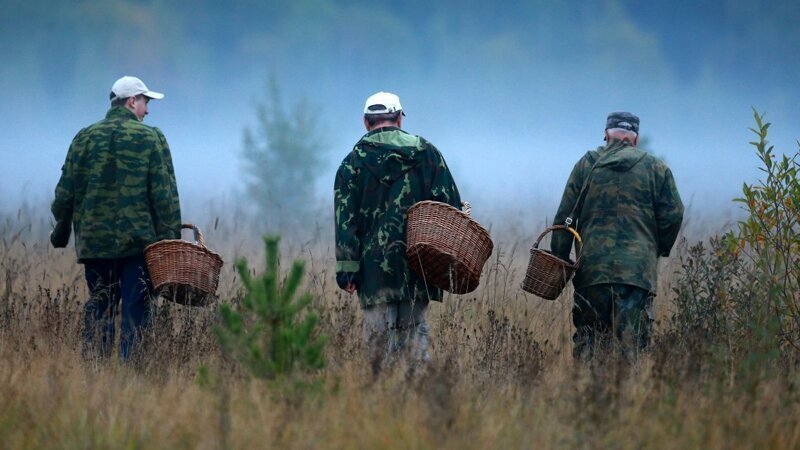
(618, 141)
(384, 125)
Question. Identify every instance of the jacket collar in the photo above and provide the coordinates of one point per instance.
(121, 112)
(615, 144)
(380, 130)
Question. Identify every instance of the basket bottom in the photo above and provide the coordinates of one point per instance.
(547, 275)
(543, 290)
(185, 295)
(442, 270)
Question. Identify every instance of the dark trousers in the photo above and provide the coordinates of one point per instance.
(111, 282)
(605, 310)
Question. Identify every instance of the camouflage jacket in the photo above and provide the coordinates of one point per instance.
(630, 216)
(117, 189)
(387, 172)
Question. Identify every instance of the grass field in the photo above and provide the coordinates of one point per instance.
(502, 376)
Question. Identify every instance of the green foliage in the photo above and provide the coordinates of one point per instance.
(714, 290)
(283, 159)
(721, 329)
(270, 335)
(769, 238)
(738, 299)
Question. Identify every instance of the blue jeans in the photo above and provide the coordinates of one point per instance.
(111, 281)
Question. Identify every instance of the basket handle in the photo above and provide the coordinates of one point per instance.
(578, 240)
(466, 208)
(198, 236)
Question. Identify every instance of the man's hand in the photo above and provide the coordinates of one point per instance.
(348, 281)
(59, 237)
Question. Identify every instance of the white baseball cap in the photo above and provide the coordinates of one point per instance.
(383, 103)
(128, 86)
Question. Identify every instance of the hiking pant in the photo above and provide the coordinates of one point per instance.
(111, 282)
(604, 310)
(393, 330)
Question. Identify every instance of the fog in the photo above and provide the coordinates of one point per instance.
(513, 93)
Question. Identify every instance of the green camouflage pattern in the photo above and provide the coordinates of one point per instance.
(117, 189)
(387, 172)
(623, 120)
(631, 215)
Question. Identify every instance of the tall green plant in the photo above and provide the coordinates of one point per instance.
(738, 299)
(770, 235)
(271, 334)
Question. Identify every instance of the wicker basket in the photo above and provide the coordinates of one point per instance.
(184, 272)
(446, 247)
(547, 275)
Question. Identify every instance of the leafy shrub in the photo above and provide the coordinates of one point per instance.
(737, 298)
(721, 327)
(769, 238)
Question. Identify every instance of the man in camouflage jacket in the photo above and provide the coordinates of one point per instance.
(387, 172)
(630, 215)
(118, 191)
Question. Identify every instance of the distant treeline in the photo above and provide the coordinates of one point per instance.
(51, 44)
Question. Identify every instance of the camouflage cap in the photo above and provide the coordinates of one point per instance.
(624, 120)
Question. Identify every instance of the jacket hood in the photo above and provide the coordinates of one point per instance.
(617, 155)
(388, 153)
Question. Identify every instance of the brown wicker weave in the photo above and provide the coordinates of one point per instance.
(547, 275)
(182, 271)
(446, 247)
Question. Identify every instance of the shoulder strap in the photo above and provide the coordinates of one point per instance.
(579, 203)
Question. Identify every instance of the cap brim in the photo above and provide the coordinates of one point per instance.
(367, 112)
(153, 95)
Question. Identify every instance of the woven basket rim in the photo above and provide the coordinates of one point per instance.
(470, 221)
(547, 254)
(182, 242)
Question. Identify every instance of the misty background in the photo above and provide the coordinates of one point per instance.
(513, 93)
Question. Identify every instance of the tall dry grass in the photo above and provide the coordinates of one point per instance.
(502, 376)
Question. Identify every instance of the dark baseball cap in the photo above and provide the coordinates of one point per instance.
(623, 120)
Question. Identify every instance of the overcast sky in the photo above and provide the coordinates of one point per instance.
(512, 93)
